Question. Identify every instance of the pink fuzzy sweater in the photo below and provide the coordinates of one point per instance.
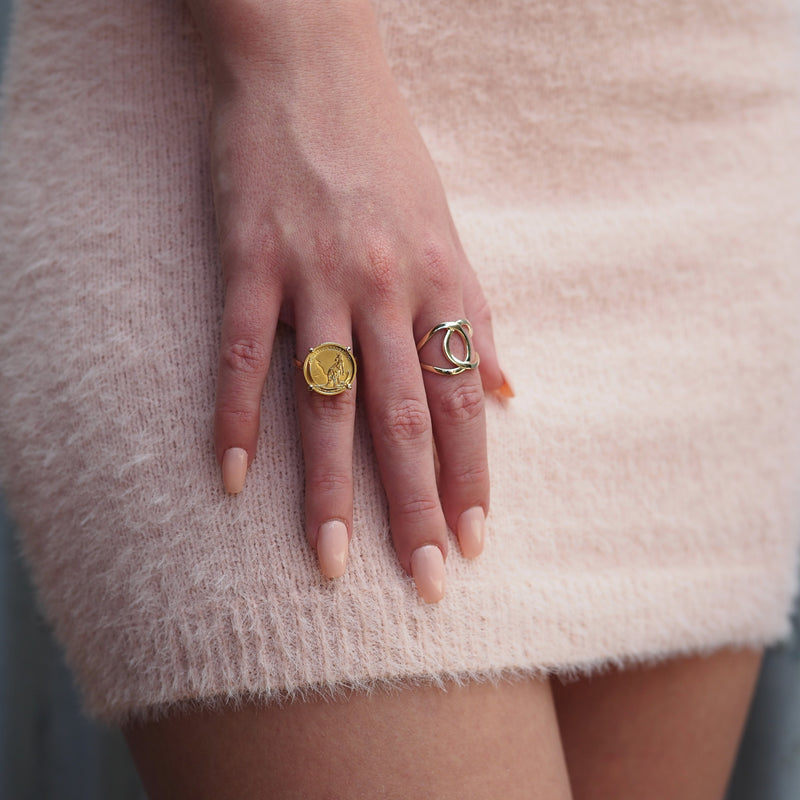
(624, 177)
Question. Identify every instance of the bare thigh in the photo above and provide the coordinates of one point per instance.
(666, 731)
(477, 741)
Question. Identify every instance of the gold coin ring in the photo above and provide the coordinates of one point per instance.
(329, 368)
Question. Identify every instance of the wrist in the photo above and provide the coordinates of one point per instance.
(243, 36)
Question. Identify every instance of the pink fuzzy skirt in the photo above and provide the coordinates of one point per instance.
(625, 179)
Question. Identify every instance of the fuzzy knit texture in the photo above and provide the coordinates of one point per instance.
(624, 177)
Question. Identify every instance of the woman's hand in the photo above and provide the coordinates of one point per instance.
(332, 218)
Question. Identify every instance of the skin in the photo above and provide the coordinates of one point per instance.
(477, 741)
(353, 242)
(667, 731)
(660, 732)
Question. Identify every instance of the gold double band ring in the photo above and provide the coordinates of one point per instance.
(462, 330)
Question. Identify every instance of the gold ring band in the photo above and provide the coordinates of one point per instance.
(329, 368)
(463, 330)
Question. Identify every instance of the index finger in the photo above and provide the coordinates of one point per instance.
(249, 320)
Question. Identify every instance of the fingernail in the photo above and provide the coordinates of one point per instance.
(234, 469)
(471, 531)
(505, 390)
(332, 548)
(427, 569)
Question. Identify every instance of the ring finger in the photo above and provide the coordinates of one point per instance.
(456, 402)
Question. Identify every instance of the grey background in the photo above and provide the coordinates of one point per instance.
(49, 751)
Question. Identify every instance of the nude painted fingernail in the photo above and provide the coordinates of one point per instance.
(234, 469)
(332, 548)
(505, 391)
(427, 569)
(471, 531)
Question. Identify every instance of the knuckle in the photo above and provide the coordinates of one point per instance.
(387, 267)
(417, 507)
(239, 417)
(441, 268)
(335, 410)
(406, 421)
(245, 355)
(247, 248)
(381, 267)
(469, 474)
(327, 254)
(463, 403)
(329, 482)
(234, 249)
(482, 315)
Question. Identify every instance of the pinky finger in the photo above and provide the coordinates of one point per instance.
(480, 317)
